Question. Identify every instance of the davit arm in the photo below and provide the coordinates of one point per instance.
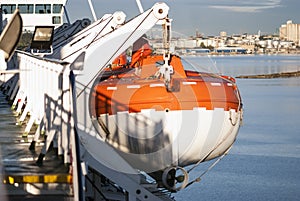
(98, 49)
(101, 52)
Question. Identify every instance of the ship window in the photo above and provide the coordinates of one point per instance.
(56, 20)
(8, 8)
(57, 8)
(43, 8)
(25, 8)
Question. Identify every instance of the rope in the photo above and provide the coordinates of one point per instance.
(198, 179)
(227, 135)
(94, 39)
(211, 151)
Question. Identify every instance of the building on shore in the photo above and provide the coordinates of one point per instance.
(290, 32)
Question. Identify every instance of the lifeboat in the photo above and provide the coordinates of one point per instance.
(162, 126)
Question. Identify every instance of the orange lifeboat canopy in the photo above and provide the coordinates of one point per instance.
(128, 91)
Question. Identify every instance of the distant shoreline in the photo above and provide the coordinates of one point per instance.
(250, 54)
(269, 76)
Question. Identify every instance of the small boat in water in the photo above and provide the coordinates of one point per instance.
(161, 117)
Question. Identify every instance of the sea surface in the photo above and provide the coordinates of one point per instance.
(264, 162)
(235, 65)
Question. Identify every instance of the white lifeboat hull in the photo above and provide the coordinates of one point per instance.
(152, 140)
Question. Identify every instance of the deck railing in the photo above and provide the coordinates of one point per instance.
(45, 97)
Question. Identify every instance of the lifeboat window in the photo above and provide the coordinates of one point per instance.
(159, 63)
(8, 8)
(187, 65)
(25, 8)
(203, 64)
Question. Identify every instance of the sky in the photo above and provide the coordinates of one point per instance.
(208, 17)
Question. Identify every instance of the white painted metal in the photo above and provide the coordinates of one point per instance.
(139, 4)
(46, 18)
(63, 33)
(187, 136)
(88, 37)
(92, 10)
(45, 85)
(106, 38)
(33, 86)
(108, 46)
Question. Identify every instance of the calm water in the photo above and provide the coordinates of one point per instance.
(246, 64)
(264, 163)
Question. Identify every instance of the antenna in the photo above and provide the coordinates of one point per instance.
(92, 10)
(66, 13)
(138, 2)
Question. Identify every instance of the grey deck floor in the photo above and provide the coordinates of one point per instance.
(19, 171)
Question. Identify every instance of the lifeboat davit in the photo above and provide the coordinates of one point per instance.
(159, 128)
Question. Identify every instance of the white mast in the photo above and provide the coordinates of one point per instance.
(138, 2)
(92, 10)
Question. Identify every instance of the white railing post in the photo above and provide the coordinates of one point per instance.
(46, 86)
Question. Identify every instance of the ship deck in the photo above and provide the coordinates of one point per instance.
(22, 178)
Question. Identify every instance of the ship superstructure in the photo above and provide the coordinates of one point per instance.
(34, 12)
